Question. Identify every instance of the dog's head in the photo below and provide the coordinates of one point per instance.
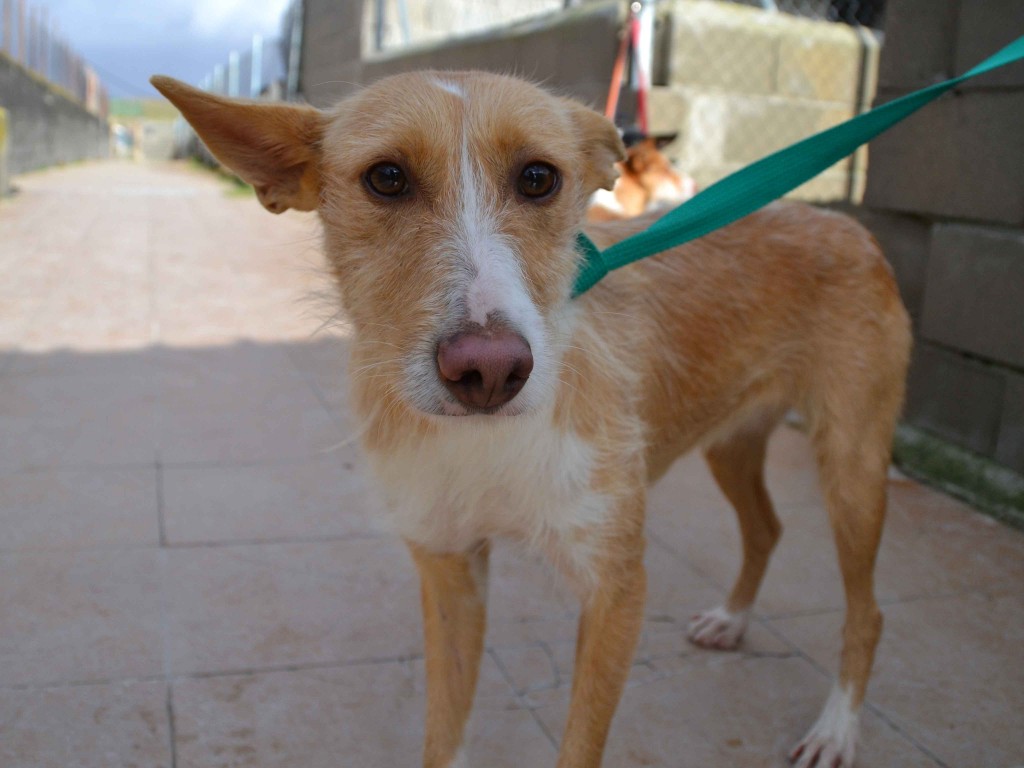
(450, 203)
(653, 172)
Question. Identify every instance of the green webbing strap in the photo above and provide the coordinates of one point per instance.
(769, 178)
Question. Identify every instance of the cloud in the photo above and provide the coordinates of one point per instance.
(215, 18)
(102, 22)
(130, 40)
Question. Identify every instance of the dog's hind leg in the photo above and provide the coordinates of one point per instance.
(454, 593)
(737, 464)
(853, 446)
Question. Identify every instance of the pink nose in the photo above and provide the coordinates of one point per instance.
(485, 368)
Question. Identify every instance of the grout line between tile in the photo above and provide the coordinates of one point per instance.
(894, 726)
(521, 699)
(172, 731)
(301, 667)
(866, 704)
(160, 522)
(226, 544)
(207, 675)
(884, 603)
(165, 641)
(315, 388)
(655, 539)
(284, 461)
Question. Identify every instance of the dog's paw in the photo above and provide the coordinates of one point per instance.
(832, 739)
(717, 628)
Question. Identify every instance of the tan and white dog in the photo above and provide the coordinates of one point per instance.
(496, 406)
(647, 182)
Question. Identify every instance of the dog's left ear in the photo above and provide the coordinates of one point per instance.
(602, 146)
(662, 140)
(274, 147)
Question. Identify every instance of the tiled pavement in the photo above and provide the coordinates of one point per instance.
(190, 573)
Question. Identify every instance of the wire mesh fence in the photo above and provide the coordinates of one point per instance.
(739, 80)
(30, 36)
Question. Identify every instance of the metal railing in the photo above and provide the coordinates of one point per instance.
(30, 36)
(268, 69)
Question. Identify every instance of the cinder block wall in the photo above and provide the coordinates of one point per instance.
(740, 83)
(45, 126)
(945, 195)
(571, 52)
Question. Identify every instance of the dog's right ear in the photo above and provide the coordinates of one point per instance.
(602, 146)
(274, 147)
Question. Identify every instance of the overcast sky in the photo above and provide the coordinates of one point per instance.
(129, 40)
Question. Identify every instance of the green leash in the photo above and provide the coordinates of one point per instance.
(769, 178)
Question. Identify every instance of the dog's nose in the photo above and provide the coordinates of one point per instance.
(485, 368)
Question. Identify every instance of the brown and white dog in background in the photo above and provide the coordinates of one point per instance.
(499, 407)
(647, 181)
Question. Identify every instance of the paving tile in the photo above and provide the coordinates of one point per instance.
(369, 715)
(324, 496)
(78, 509)
(270, 605)
(936, 545)
(79, 616)
(324, 358)
(723, 709)
(803, 574)
(264, 287)
(674, 590)
(523, 588)
(140, 365)
(115, 725)
(947, 670)
(240, 403)
(52, 420)
(931, 544)
(157, 336)
(18, 311)
(103, 310)
(544, 658)
(690, 515)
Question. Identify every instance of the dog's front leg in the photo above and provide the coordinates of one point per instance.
(613, 612)
(454, 593)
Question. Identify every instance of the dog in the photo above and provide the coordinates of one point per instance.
(498, 406)
(647, 181)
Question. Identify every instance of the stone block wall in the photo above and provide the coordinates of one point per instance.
(45, 125)
(945, 196)
(741, 83)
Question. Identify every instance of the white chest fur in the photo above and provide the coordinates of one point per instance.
(478, 478)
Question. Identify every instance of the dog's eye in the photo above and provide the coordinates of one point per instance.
(387, 180)
(538, 180)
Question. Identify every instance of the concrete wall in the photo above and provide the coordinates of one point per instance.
(570, 52)
(435, 21)
(740, 83)
(945, 195)
(45, 125)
